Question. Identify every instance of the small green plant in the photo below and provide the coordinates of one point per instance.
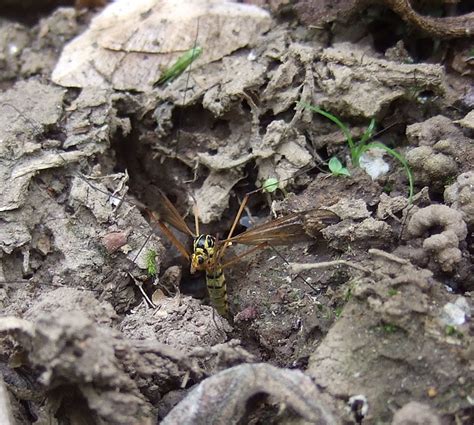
(336, 168)
(448, 181)
(270, 185)
(451, 330)
(151, 267)
(389, 328)
(357, 149)
(175, 70)
(392, 292)
(338, 312)
(388, 187)
(349, 291)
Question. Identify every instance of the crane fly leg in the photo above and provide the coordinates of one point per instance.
(234, 225)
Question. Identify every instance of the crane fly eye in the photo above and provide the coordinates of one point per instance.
(200, 260)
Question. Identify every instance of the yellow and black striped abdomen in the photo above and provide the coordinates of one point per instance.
(217, 289)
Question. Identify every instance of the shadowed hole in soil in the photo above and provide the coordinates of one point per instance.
(196, 119)
(387, 28)
(257, 407)
(73, 404)
(30, 12)
(384, 25)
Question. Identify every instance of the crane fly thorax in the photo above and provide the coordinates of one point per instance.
(204, 252)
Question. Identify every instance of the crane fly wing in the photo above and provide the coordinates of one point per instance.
(288, 229)
(166, 212)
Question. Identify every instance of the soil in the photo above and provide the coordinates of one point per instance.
(367, 321)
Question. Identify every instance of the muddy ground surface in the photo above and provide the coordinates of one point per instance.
(367, 321)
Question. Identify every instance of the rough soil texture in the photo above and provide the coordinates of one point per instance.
(369, 321)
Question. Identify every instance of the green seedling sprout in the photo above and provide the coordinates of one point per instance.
(180, 65)
(270, 185)
(336, 167)
(390, 328)
(151, 266)
(357, 149)
(451, 330)
(338, 312)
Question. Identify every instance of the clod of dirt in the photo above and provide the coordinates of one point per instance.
(349, 233)
(63, 249)
(13, 39)
(391, 205)
(336, 78)
(428, 132)
(388, 330)
(443, 246)
(79, 358)
(460, 195)
(370, 233)
(347, 208)
(443, 149)
(128, 45)
(92, 120)
(326, 191)
(212, 198)
(52, 32)
(12, 236)
(27, 52)
(22, 157)
(66, 300)
(71, 350)
(429, 166)
(355, 83)
(325, 11)
(415, 413)
(223, 398)
(182, 322)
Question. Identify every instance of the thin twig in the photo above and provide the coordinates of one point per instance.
(379, 253)
(299, 267)
(145, 296)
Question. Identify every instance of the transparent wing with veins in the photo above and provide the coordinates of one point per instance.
(285, 230)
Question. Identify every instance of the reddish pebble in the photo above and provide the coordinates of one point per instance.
(114, 241)
(246, 314)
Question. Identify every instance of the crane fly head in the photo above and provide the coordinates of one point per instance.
(204, 252)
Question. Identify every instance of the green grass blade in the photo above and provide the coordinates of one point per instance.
(341, 126)
(369, 131)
